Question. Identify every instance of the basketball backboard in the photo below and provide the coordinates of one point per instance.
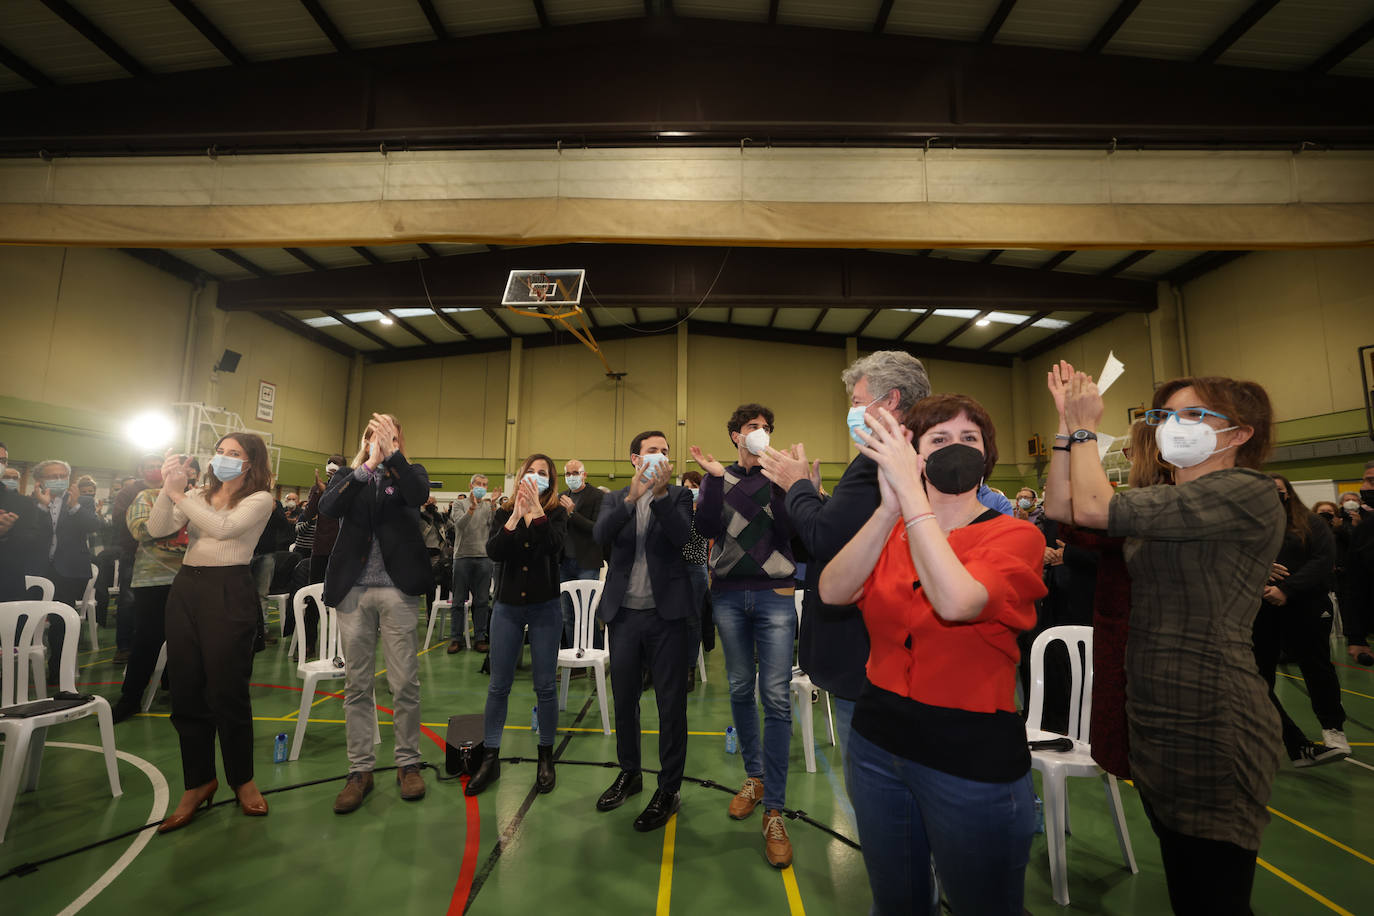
(533, 288)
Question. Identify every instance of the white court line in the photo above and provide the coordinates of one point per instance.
(160, 799)
(1358, 763)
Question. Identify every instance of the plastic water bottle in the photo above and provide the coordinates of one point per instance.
(1039, 814)
(534, 720)
(731, 741)
(279, 748)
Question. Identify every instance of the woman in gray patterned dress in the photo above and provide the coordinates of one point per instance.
(1204, 738)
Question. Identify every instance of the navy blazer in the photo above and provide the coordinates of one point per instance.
(387, 508)
(73, 557)
(670, 528)
(24, 548)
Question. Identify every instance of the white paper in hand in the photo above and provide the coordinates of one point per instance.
(1104, 445)
(1110, 373)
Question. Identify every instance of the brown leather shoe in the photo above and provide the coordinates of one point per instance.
(747, 798)
(354, 791)
(175, 821)
(777, 847)
(454, 645)
(251, 804)
(411, 782)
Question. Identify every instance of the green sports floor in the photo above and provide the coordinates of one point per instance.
(511, 851)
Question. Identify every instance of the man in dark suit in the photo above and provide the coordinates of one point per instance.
(648, 597)
(21, 533)
(66, 519)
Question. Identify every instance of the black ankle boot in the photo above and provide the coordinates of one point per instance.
(545, 779)
(487, 773)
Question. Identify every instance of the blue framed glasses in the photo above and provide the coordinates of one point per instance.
(1187, 416)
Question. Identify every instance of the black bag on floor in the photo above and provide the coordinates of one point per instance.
(465, 746)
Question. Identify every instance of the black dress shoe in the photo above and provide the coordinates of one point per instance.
(545, 779)
(487, 773)
(625, 785)
(122, 710)
(661, 807)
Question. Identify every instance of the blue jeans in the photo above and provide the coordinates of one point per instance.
(508, 622)
(978, 832)
(762, 623)
(568, 570)
(844, 720)
(701, 581)
(472, 575)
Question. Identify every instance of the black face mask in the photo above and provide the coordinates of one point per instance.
(1330, 517)
(1368, 497)
(955, 469)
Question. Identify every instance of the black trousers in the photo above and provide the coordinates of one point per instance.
(149, 608)
(66, 591)
(1304, 635)
(1205, 877)
(212, 617)
(126, 618)
(640, 637)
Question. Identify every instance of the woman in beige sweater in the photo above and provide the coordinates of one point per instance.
(212, 613)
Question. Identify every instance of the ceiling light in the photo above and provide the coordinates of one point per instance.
(982, 322)
(385, 320)
(151, 431)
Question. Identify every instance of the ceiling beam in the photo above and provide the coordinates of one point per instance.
(945, 341)
(491, 313)
(304, 258)
(1129, 260)
(327, 26)
(868, 319)
(89, 31)
(368, 255)
(715, 80)
(428, 249)
(772, 318)
(314, 335)
(169, 263)
(819, 318)
(452, 322)
(541, 13)
(233, 257)
(772, 12)
(667, 276)
(1064, 335)
(1244, 23)
(436, 25)
(1114, 22)
(920, 320)
(1058, 259)
(407, 327)
(25, 69)
(1012, 331)
(991, 256)
(880, 23)
(1343, 49)
(347, 322)
(999, 17)
(212, 34)
(1204, 263)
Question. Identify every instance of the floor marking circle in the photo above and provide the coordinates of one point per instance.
(161, 796)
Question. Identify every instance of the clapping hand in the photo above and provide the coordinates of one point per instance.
(1082, 403)
(41, 495)
(174, 474)
(708, 463)
(786, 468)
(660, 477)
(384, 434)
(1058, 380)
(889, 445)
(527, 491)
(7, 520)
(566, 502)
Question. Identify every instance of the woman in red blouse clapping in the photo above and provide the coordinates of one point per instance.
(938, 764)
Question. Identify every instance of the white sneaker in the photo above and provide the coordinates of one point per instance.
(1335, 738)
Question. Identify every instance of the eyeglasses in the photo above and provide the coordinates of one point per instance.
(1187, 416)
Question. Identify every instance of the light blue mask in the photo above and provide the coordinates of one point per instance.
(226, 468)
(574, 481)
(58, 486)
(542, 483)
(11, 482)
(647, 463)
(479, 492)
(855, 421)
(696, 495)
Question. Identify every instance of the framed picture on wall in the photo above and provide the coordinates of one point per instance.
(267, 400)
(1135, 413)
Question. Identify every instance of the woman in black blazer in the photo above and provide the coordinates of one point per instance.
(527, 545)
(378, 569)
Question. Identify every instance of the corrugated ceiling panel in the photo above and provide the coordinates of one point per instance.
(1158, 264)
(1022, 339)
(975, 337)
(475, 17)
(830, 14)
(569, 12)
(351, 337)
(373, 23)
(1067, 24)
(655, 315)
(742, 10)
(934, 329)
(960, 254)
(273, 260)
(393, 334)
(752, 317)
(1293, 35)
(959, 20)
(707, 314)
(1174, 29)
(1025, 258)
(266, 29)
(840, 321)
(211, 263)
(397, 252)
(1092, 261)
(56, 49)
(336, 257)
(888, 324)
(796, 319)
(156, 35)
(1361, 63)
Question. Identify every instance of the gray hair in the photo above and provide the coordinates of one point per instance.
(888, 369)
(475, 476)
(38, 468)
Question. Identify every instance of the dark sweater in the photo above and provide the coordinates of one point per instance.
(758, 554)
(579, 542)
(528, 557)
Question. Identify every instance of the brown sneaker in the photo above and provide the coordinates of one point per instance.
(777, 848)
(411, 782)
(747, 798)
(354, 791)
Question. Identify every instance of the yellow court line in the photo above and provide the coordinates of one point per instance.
(1317, 833)
(98, 661)
(794, 901)
(1333, 907)
(1294, 677)
(665, 870)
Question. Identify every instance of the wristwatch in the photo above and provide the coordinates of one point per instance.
(1082, 435)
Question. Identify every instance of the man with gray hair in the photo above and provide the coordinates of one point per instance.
(833, 642)
(67, 519)
(471, 566)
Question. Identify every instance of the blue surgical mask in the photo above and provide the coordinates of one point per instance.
(59, 485)
(855, 421)
(540, 482)
(479, 492)
(696, 495)
(11, 482)
(226, 468)
(574, 481)
(647, 463)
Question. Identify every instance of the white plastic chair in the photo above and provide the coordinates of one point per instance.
(25, 737)
(156, 681)
(1056, 766)
(330, 644)
(585, 595)
(37, 652)
(437, 607)
(802, 690)
(86, 608)
(280, 600)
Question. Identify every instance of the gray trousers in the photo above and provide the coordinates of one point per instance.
(363, 614)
